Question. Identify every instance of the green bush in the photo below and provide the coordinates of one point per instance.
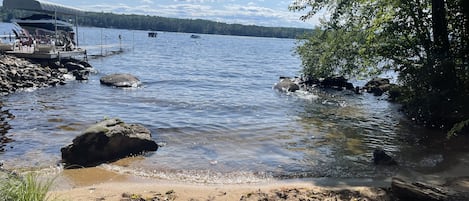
(426, 43)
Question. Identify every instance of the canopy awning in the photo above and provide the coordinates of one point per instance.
(41, 6)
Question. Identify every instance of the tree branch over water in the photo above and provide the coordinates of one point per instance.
(424, 42)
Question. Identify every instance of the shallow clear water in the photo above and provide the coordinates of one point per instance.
(211, 102)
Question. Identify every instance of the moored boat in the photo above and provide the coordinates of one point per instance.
(152, 34)
(43, 22)
(195, 36)
(43, 36)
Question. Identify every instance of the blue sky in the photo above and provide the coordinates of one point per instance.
(257, 12)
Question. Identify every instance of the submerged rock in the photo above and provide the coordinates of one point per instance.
(120, 80)
(286, 85)
(381, 158)
(106, 141)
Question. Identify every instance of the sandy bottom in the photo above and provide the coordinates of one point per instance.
(100, 184)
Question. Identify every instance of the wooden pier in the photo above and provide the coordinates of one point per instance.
(48, 55)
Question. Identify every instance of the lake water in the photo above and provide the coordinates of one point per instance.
(210, 102)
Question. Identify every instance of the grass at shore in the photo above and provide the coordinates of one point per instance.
(24, 188)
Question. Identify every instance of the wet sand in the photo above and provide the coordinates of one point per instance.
(101, 184)
(172, 191)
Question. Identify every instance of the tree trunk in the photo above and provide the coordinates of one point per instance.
(465, 9)
(440, 29)
(442, 72)
(443, 62)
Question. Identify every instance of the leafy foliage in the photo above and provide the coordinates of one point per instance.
(458, 128)
(424, 41)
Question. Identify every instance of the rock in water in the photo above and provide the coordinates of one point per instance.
(377, 86)
(107, 141)
(286, 85)
(382, 158)
(120, 80)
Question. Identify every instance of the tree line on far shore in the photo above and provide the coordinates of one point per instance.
(156, 23)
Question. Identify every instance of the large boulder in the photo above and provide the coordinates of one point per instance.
(286, 85)
(107, 141)
(120, 80)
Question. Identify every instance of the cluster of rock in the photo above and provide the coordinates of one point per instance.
(287, 84)
(18, 74)
(80, 70)
(107, 141)
(4, 139)
(377, 86)
(5, 115)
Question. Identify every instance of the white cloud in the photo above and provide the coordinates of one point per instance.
(147, 1)
(249, 13)
(196, 1)
(251, 4)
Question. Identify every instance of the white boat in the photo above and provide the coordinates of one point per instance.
(43, 36)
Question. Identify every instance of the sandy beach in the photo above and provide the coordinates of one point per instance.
(172, 191)
(100, 184)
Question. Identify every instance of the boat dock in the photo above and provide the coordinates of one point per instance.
(43, 36)
(29, 53)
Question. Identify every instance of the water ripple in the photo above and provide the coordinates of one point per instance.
(212, 105)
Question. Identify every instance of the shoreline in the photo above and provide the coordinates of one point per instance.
(177, 191)
(20, 74)
(98, 183)
(123, 187)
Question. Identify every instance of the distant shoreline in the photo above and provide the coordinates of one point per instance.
(157, 23)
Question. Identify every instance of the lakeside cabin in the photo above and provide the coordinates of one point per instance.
(43, 35)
